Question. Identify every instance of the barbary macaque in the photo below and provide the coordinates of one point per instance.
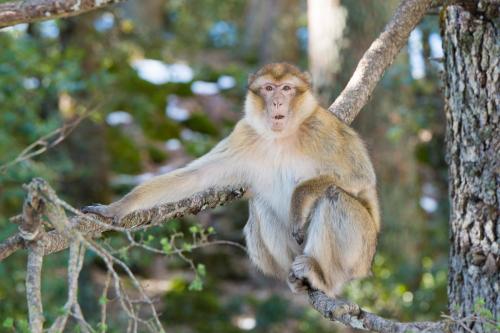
(314, 215)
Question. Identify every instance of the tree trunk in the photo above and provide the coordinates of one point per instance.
(326, 21)
(472, 53)
(271, 27)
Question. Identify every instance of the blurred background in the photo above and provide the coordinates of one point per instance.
(163, 81)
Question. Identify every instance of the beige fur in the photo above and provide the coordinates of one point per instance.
(314, 214)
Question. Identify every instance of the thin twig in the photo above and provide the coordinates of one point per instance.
(47, 141)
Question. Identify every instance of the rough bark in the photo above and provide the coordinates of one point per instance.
(472, 49)
(25, 11)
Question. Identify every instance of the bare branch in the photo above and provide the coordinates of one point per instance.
(377, 58)
(352, 315)
(75, 263)
(33, 287)
(26, 11)
(47, 141)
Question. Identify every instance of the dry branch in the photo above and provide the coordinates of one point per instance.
(26, 11)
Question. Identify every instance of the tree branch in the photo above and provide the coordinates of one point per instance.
(92, 226)
(33, 288)
(351, 315)
(26, 11)
(377, 58)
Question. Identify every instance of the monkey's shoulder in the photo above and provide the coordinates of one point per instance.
(322, 132)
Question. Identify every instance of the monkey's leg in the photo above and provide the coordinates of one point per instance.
(257, 250)
(304, 198)
(340, 244)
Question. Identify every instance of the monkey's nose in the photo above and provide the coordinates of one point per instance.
(277, 103)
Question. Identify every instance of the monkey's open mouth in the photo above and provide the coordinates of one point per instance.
(279, 117)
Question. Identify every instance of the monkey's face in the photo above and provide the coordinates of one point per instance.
(278, 99)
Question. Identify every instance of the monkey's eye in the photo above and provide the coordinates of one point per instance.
(269, 88)
(286, 88)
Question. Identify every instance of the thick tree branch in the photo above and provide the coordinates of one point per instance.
(26, 11)
(377, 58)
(92, 226)
(351, 315)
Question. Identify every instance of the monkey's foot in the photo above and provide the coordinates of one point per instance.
(304, 274)
(299, 235)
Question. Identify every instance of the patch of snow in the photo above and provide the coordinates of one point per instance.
(158, 72)
(104, 22)
(31, 83)
(226, 82)
(180, 73)
(119, 118)
(246, 323)
(429, 204)
(416, 54)
(204, 88)
(49, 29)
(16, 29)
(174, 111)
(173, 144)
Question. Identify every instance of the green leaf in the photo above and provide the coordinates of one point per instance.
(103, 300)
(201, 270)
(149, 239)
(196, 284)
(194, 229)
(123, 253)
(166, 246)
(187, 247)
(102, 327)
(8, 322)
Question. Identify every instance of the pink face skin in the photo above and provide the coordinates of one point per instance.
(278, 99)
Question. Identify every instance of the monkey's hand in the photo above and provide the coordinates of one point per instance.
(101, 210)
(299, 234)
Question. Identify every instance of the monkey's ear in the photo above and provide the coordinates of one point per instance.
(251, 78)
(307, 77)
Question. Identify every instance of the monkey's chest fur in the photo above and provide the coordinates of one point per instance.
(269, 230)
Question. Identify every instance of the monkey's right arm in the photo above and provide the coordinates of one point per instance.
(217, 168)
